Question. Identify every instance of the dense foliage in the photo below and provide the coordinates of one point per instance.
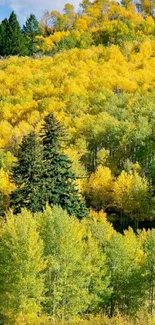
(104, 99)
(76, 131)
(53, 265)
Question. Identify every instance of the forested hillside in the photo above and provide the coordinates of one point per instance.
(77, 166)
(104, 100)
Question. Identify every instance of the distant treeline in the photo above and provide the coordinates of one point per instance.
(97, 22)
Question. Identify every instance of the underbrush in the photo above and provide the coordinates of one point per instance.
(141, 319)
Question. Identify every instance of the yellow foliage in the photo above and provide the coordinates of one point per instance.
(82, 23)
(141, 319)
(31, 319)
(99, 216)
(99, 187)
(130, 193)
(6, 187)
(49, 83)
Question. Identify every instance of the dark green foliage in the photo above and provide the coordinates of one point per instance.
(3, 36)
(66, 43)
(31, 29)
(47, 177)
(27, 176)
(11, 37)
(16, 43)
(71, 41)
(59, 179)
(118, 34)
(3, 203)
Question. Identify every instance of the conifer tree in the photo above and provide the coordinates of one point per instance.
(3, 36)
(14, 42)
(59, 179)
(31, 29)
(27, 176)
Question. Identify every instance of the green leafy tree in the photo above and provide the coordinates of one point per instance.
(98, 275)
(27, 176)
(58, 177)
(126, 264)
(126, 3)
(21, 266)
(31, 30)
(66, 282)
(85, 4)
(76, 272)
(66, 43)
(150, 268)
(132, 196)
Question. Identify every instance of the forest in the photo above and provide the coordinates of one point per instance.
(77, 166)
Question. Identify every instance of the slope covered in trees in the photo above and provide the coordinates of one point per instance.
(104, 99)
(77, 151)
(98, 22)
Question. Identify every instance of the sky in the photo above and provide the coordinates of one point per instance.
(24, 8)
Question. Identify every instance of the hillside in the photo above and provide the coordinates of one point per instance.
(104, 100)
(77, 166)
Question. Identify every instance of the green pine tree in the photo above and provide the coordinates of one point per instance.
(59, 179)
(15, 42)
(31, 29)
(27, 176)
(3, 37)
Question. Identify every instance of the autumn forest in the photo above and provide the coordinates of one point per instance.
(77, 166)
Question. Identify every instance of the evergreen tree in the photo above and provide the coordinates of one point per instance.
(14, 43)
(31, 29)
(27, 176)
(59, 179)
(3, 36)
